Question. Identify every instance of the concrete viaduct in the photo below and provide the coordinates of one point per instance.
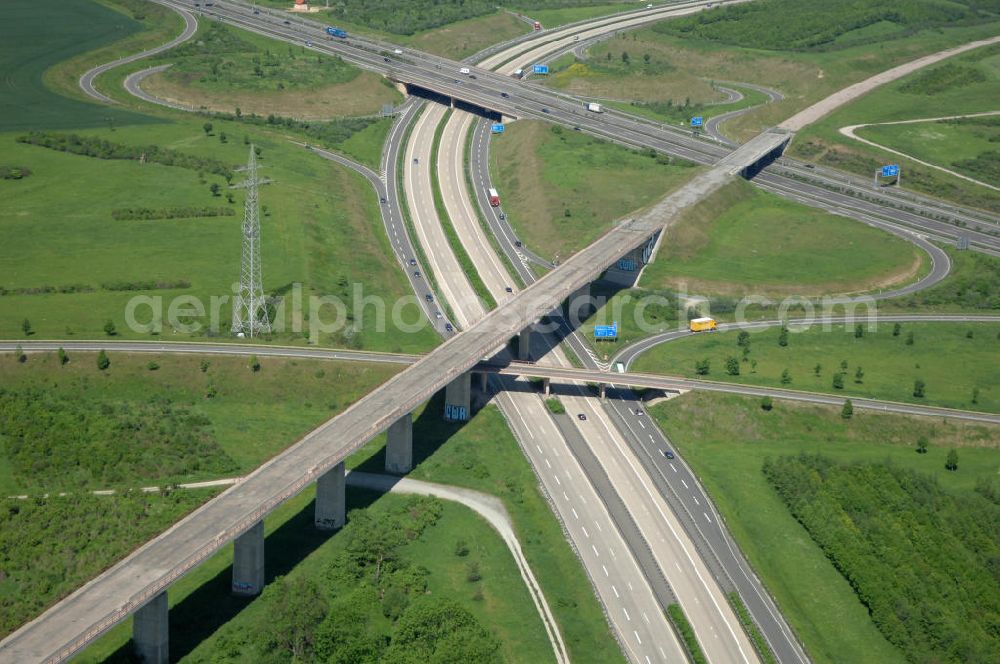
(138, 584)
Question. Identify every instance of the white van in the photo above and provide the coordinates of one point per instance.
(464, 70)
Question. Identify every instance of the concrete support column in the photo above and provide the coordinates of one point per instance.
(399, 445)
(458, 398)
(602, 388)
(524, 345)
(546, 386)
(483, 381)
(331, 497)
(151, 631)
(248, 561)
(578, 305)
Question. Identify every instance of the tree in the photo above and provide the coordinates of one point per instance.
(204, 366)
(645, 58)
(817, 369)
(208, 128)
(63, 357)
(968, 335)
(843, 365)
(701, 367)
(732, 366)
(838, 381)
(783, 336)
(223, 138)
(625, 57)
(847, 412)
(152, 366)
(743, 338)
(254, 363)
(26, 327)
(257, 151)
(918, 388)
(951, 463)
(753, 366)
(230, 198)
(922, 445)
(859, 376)
(103, 361)
(859, 331)
(214, 188)
(109, 328)
(909, 338)
(19, 354)
(609, 56)
(766, 403)
(786, 377)
(295, 610)
(896, 329)
(975, 395)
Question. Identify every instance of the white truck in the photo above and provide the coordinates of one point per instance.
(594, 108)
(464, 70)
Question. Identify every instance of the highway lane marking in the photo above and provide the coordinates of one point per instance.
(557, 480)
(599, 527)
(645, 617)
(627, 616)
(673, 468)
(550, 465)
(565, 496)
(605, 570)
(631, 589)
(684, 483)
(585, 531)
(706, 517)
(539, 448)
(651, 438)
(575, 515)
(696, 501)
(641, 424)
(616, 591)
(595, 551)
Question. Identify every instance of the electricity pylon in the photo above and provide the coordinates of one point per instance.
(250, 316)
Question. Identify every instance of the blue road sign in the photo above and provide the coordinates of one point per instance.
(606, 331)
(697, 121)
(496, 128)
(892, 170)
(539, 69)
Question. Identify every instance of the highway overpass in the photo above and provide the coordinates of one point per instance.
(141, 578)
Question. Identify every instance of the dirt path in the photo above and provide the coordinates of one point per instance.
(850, 133)
(852, 92)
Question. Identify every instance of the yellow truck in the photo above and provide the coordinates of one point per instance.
(702, 325)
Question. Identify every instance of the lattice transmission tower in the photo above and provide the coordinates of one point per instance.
(250, 316)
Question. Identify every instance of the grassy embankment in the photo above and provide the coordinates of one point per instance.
(956, 361)
(480, 454)
(726, 439)
(564, 189)
(813, 52)
(968, 83)
(223, 68)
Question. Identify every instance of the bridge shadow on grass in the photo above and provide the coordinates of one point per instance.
(430, 432)
(199, 615)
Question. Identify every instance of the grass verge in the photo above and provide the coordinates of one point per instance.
(688, 638)
(726, 439)
(750, 627)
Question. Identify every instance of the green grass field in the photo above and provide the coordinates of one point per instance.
(744, 240)
(951, 364)
(726, 439)
(681, 115)
(228, 394)
(321, 228)
(77, 26)
(683, 63)
(553, 18)
(562, 189)
(969, 83)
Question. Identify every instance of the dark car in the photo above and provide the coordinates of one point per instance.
(503, 216)
(472, 75)
(545, 110)
(448, 327)
(416, 273)
(638, 411)
(288, 22)
(429, 297)
(581, 416)
(517, 243)
(576, 128)
(386, 59)
(667, 453)
(382, 200)
(509, 289)
(504, 95)
(413, 261)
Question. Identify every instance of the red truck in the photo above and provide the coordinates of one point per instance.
(538, 26)
(494, 197)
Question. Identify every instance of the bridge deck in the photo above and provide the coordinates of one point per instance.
(73, 622)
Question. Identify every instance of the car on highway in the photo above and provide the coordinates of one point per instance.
(308, 43)
(545, 110)
(288, 22)
(416, 273)
(472, 75)
(437, 314)
(385, 59)
(508, 289)
(505, 95)
(382, 200)
(638, 411)
(429, 297)
(397, 51)
(502, 216)
(458, 81)
(518, 243)
(581, 416)
(448, 327)
(667, 453)
(413, 262)
(576, 128)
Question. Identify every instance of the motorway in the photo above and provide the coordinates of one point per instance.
(415, 184)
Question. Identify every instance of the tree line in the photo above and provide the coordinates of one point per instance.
(925, 562)
(99, 148)
(190, 212)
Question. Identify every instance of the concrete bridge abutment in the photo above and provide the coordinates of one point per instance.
(331, 498)
(151, 631)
